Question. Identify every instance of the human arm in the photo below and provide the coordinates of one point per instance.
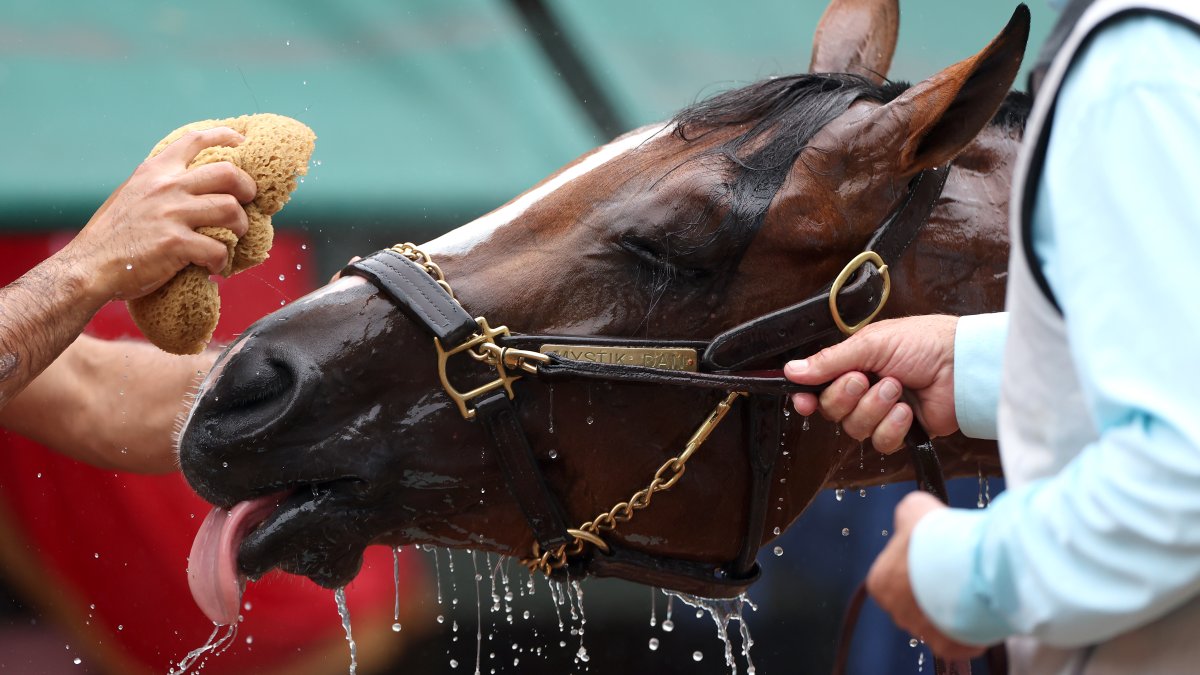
(950, 366)
(1112, 541)
(111, 404)
(138, 239)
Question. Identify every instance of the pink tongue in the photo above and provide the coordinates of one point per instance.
(212, 564)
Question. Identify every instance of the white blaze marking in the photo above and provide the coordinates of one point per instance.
(461, 240)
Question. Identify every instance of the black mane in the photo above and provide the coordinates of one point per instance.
(782, 115)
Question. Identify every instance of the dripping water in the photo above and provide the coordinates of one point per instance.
(478, 613)
(213, 646)
(340, 597)
(396, 580)
(437, 572)
(551, 387)
(653, 608)
(722, 612)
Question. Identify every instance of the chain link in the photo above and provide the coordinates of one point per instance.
(590, 532)
(410, 251)
(664, 479)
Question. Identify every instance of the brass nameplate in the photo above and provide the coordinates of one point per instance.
(667, 358)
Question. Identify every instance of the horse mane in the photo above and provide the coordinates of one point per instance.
(781, 115)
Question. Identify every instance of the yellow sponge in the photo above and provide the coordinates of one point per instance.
(180, 316)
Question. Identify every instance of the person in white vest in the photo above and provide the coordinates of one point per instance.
(1090, 561)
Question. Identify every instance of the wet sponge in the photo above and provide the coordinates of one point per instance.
(180, 316)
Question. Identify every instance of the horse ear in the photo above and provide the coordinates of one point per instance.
(856, 36)
(935, 119)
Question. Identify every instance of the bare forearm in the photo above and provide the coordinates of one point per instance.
(112, 404)
(40, 315)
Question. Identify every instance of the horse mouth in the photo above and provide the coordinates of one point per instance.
(302, 529)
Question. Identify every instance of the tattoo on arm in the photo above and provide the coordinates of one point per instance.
(40, 315)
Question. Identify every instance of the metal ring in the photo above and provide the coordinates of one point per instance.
(850, 268)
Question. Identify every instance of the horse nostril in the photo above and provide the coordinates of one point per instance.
(253, 382)
(260, 390)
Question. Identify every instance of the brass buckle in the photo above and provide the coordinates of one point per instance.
(481, 347)
(850, 268)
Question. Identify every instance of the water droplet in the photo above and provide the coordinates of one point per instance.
(249, 639)
(246, 606)
(668, 625)
(805, 426)
(553, 454)
(699, 614)
(128, 266)
(287, 43)
(225, 465)
(441, 619)
(298, 267)
(303, 247)
(304, 83)
(862, 492)
(590, 420)
(77, 661)
(778, 550)
(525, 615)
(913, 642)
(697, 656)
(453, 663)
(396, 628)
(838, 494)
(120, 627)
(845, 532)
(39, 474)
(281, 277)
(775, 531)
(653, 644)
(884, 533)
(97, 556)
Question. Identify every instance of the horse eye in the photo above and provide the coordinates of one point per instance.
(654, 254)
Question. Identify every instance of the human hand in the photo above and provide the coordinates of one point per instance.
(145, 231)
(889, 583)
(916, 353)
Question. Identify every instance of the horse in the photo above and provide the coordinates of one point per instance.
(336, 422)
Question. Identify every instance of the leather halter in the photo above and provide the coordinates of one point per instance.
(420, 292)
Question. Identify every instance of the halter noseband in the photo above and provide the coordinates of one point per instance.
(417, 286)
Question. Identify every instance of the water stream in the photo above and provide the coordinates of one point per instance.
(340, 596)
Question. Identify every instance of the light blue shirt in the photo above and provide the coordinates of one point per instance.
(1112, 541)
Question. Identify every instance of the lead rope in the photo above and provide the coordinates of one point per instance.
(929, 475)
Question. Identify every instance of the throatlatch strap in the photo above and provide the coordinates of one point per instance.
(417, 294)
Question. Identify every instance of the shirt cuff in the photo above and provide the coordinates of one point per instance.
(978, 363)
(943, 558)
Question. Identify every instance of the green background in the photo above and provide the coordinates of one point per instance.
(428, 112)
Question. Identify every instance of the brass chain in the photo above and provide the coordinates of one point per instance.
(664, 479)
(590, 532)
(410, 251)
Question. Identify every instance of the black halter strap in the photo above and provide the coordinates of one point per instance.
(809, 325)
(803, 326)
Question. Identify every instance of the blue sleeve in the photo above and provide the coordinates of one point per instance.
(978, 361)
(1113, 541)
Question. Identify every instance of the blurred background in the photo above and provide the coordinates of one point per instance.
(428, 114)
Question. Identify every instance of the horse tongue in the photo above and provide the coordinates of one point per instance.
(212, 565)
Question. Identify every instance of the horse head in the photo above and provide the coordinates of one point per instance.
(330, 415)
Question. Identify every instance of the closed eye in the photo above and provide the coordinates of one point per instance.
(654, 255)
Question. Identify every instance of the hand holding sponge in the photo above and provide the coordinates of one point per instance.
(180, 316)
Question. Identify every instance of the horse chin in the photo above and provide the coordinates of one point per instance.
(317, 532)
